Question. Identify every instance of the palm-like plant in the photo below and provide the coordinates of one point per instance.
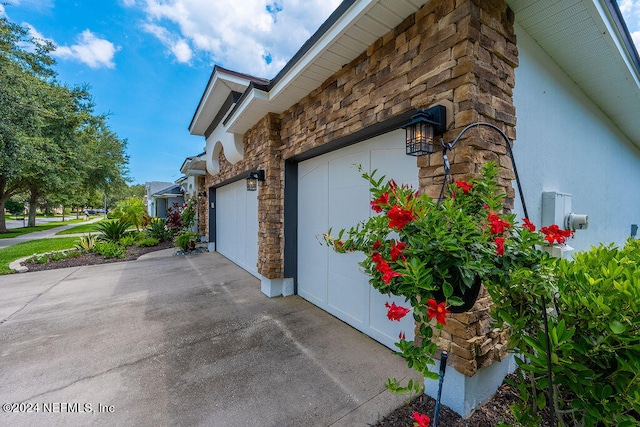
(133, 211)
(112, 231)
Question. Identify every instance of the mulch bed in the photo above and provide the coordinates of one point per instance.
(91, 258)
(488, 415)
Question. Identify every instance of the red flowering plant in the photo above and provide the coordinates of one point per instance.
(437, 254)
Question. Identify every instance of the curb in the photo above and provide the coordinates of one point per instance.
(15, 265)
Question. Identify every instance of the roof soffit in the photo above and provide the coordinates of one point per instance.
(581, 36)
(342, 38)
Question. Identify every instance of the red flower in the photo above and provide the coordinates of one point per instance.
(396, 250)
(402, 336)
(421, 420)
(439, 311)
(383, 267)
(528, 224)
(500, 246)
(377, 245)
(553, 233)
(465, 186)
(396, 312)
(376, 204)
(389, 274)
(399, 217)
(497, 224)
(380, 263)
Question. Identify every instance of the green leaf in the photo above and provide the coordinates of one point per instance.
(447, 289)
(541, 401)
(617, 327)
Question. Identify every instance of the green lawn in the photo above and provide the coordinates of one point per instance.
(15, 232)
(12, 253)
(84, 228)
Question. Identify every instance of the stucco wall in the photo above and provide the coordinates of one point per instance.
(566, 144)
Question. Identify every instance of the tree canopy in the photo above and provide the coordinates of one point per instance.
(52, 144)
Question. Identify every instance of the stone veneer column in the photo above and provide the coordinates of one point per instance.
(271, 211)
(481, 76)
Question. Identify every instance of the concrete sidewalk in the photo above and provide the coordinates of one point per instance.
(188, 340)
(44, 234)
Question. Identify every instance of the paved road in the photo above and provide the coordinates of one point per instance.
(170, 340)
(42, 234)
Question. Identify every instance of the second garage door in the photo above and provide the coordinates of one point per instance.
(332, 193)
(237, 225)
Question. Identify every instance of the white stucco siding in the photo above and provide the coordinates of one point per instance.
(567, 144)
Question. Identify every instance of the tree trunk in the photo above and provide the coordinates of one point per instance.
(33, 206)
(3, 222)
(62, 213)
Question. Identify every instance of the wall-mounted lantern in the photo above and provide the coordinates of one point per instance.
(421, 130)
(253, 178)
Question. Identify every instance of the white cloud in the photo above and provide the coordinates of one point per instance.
(178, 46)
(251, 36)
(91, 50)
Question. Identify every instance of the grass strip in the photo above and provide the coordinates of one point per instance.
(15, 232)
(12, 253)
(84, 228)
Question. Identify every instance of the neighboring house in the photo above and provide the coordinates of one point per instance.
(560, 78)
(193, 185)
(161, 196)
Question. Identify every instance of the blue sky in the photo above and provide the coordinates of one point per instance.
(147, 62)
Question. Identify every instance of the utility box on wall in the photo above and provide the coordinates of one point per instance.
(555, 207)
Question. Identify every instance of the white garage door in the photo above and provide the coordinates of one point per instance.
(237, 225)
(332, 193)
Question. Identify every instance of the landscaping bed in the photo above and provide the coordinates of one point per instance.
(92, 258)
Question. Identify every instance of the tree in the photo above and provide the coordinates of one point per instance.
(51, 142)
(25, 67)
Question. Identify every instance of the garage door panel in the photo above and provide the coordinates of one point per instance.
(348, 207)
(315, 286)
(332, 193)
(313, 199)
(394, 163)
(237, 225)
(343, 169)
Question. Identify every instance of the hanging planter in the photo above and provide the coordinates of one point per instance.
(469, 296)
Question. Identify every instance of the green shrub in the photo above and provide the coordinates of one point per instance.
(87, 243)
(109, 249)
(112, 231)
(186, 241)
(594, 340)
(158, 230)
(54, 256)
(147, 241)
(129, 239)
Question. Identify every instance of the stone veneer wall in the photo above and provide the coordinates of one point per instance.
(462, 53)
(262, 151)
(202, 208)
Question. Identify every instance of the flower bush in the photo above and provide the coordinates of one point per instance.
(575, 325)
(437, 253)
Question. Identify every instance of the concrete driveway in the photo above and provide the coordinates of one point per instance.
(170, 340)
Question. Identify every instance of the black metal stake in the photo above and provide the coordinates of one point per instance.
(552, 412)
(443, 367)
